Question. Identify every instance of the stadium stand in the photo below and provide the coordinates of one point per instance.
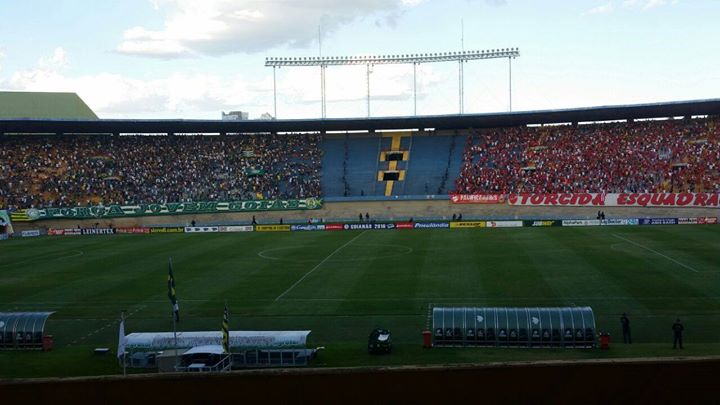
(640, 156)
(79, 170)
(647, 156)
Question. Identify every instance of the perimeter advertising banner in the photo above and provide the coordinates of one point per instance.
(686, 200)
(119, 211)
(272, 228)
(504, 224)
(477, 198)
(467, 224)
(308, 227)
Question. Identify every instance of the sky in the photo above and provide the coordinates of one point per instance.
(195, 58)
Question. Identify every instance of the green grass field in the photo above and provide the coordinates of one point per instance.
(340, 285)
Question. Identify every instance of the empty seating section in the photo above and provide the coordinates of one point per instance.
(433, 165)
(361, 166)
(333, 173)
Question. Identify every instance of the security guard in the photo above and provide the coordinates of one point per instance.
(677, 333)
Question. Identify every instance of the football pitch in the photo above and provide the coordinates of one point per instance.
(341, 285)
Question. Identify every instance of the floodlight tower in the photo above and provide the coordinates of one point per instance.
(369, 61)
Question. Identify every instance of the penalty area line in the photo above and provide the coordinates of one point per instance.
(657, 253)
(318, 265)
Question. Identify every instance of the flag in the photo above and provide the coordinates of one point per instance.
(226, 331)
(121, 340)
(171, 293)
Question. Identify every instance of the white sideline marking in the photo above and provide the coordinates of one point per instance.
(318, 265)
(656, 252)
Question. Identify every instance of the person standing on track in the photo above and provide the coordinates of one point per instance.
(677, 333)
(625, 322)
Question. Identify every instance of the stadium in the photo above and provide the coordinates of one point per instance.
(337, 232)
(520, 256)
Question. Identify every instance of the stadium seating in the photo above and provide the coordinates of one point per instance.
(649, 156)
(434, 164)
(80, 170)
(652, 156)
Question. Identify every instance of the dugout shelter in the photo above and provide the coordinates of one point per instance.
(22, 330)
(570, 327)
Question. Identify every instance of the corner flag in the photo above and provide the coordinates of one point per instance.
(225, 331)
(121, 340)
(171, 293)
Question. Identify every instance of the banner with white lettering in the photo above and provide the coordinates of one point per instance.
(687, 200)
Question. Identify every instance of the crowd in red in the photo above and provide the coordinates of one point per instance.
(62, 171)
(643, 156)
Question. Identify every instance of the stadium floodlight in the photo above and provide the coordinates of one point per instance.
(395, 58)
(414, 59)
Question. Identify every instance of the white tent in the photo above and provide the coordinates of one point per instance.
(238, 339)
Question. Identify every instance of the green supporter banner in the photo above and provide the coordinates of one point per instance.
(140, 210)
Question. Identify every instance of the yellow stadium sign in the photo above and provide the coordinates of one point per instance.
(467, 224)
(272, 228)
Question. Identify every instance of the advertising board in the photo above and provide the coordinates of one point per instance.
(432, 225)
(308, 227)
(467, 224)
(658, 221)
(132, 230)
(477, 198)
(165, 229)
(236, 228)
(504, 224)
(272, 228)
(201, 229)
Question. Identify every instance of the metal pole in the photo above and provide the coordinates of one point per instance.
(510, 81)
(274, 93)
(124, 360)
(322, 91)
(172, 314)
(368, 89)
(414, 88)
(461, 86)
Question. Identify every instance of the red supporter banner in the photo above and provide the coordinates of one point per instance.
(132, 230)
(477, 198)
(334, 227)
(688, 200)
(404, 225)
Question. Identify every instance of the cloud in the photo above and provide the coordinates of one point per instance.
(647, 4)
(58, 60)
(199, 95)
(217, 27)
(602, 9)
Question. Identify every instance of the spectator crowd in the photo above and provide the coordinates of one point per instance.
(642, 156)
(61, 171)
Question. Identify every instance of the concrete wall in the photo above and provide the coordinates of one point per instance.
(384, 210)
(586, 382)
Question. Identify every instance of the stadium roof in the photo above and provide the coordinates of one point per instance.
(34, 105)
(438, 122)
